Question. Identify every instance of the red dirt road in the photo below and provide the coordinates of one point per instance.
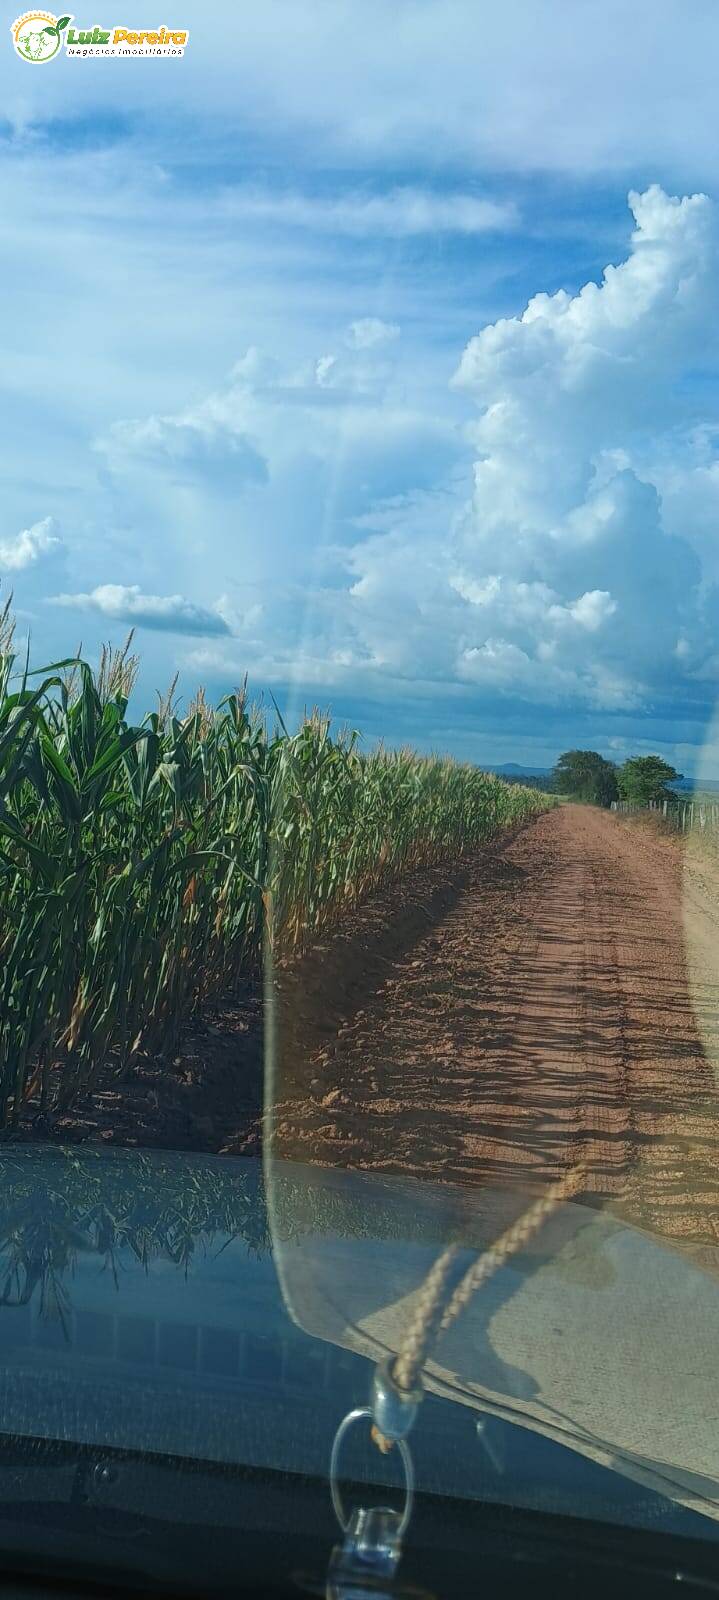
(562, 1000)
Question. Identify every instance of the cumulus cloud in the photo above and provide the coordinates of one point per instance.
(559, 581)
(28, 546)
(324, 370)
(592, 609)
(227, 438)
(193, 444)
(336, 434)
(170, 613)
(368, 332)
(549, 552)
(570, 392)
(646, 317)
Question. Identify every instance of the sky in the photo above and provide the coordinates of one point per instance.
(372, 350)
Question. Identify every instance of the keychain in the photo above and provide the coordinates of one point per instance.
(366, 1561)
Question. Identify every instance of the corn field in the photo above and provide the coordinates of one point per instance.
(143, 864)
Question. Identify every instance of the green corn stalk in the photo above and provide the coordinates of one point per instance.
(144, 866)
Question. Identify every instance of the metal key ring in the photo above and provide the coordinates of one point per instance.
(404, 1450)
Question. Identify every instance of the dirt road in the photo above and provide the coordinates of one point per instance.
(561, 999)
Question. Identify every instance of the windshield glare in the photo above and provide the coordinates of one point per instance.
(359, 783)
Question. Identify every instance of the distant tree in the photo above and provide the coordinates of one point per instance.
(646, 778)
(585, 775)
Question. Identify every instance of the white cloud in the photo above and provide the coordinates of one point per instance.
(559, 582)
(228, 436)
(336, 435)
(323, 370)
(569, 393)
(585, 88)
(397, 213)
(369, 551)
(27, 547)
(592, 609)
(368, 332)
(170, 613)
(645, 317)
(202, 441)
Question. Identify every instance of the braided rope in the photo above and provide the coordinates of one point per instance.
(509, 1243)
(426, 1321)
(433, 1317)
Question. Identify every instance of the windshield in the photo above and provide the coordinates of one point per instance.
(359, 782)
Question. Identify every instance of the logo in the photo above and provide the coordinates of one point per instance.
(38, 35)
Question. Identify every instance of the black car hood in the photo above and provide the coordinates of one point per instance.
(157, 1303)
(596, 1335)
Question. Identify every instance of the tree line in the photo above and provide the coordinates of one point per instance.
(585, 775)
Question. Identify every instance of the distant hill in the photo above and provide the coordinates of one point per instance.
(515, 771)
(512, 769)
(696, 786)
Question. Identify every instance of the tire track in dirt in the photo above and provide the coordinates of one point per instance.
(600, 1057)
(545, 1012)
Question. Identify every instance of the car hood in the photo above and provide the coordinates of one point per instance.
(197, 1307)
(596, 1335)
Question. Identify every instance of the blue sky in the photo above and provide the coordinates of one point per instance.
(371, 350)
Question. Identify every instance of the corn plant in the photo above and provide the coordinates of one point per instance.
(143, 864)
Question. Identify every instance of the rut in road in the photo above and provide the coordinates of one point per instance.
(550, 1011)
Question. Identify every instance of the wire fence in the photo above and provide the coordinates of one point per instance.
(684, 815)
